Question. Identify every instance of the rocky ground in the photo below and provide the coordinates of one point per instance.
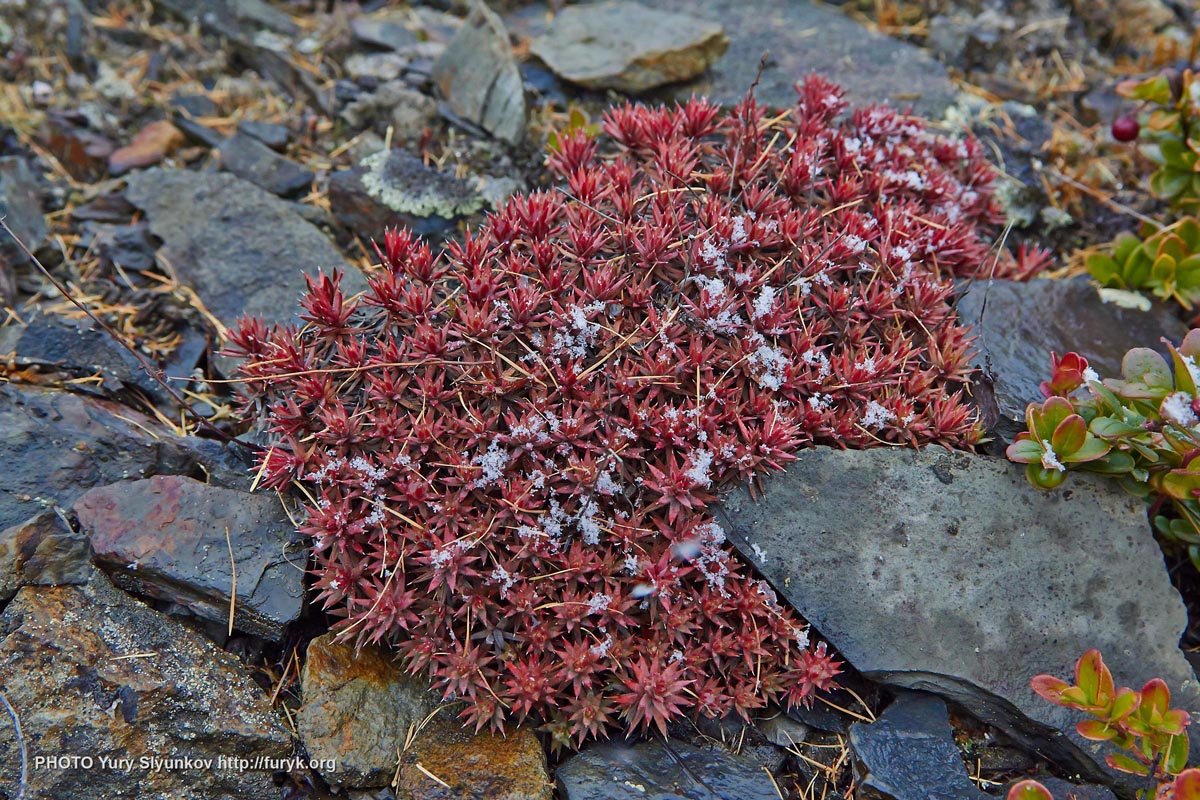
(173, 165)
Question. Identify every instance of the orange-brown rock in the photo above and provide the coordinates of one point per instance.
(447, 762)
(151, 145)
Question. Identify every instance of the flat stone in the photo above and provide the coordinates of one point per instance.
(387, 28)
(149, 146)
(394, 103)
(375, 66)
(800, 38)
(478, 76)
(662, 770)
(165, 537)
(94, 672)
(77, 348)
(272, 135)
(909, 754)
(959, 588)
(622, 45)
(1018, 324)
(56, 445)
(248, 158)
(473, 766)
(241, 248)
(42, 551)
(358, 708)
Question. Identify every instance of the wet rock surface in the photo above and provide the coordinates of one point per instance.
(93, 672)
(1018, 325)
(165, 537)
(478, 76)
(447, 762)
(627, 46)
(957, 552)
(909, 754)
(662, 770)
(359, 708)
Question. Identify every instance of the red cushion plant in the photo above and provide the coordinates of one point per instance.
(509, 448)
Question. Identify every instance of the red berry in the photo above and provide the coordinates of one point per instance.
(1125, 129)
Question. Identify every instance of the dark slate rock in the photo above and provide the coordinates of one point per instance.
(241, 248)
(273, 136)
(959, 585)
(1018, 324)
(478, 76)
(909, 754)
(55, 446)
(247, 157)
(43, 551)
(662, 770)
(21, 207)
(78, 348)
(131, 247)
(165, 537)
(195, 105)
(93, 672)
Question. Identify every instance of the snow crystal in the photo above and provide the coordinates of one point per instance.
(598, 603)
(492, 463)
(876, 415)
(765, 302)
(759, 553)
(1177, 408)
(701, 464)
(1050, 458)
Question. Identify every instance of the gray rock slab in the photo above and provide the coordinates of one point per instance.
(1018, 324)
(248, 158)
(165, 537)
(42, 551)
(948, 573)
(478, 76)
(627, 46)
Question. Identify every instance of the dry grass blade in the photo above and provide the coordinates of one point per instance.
(23, 781)
(233, 588)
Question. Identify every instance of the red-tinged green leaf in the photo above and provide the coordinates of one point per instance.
(1186, 786)
(1029, 790)
(1177, 755)
(1174, 722)
(1184, 381)
(1091, 450)
(1044, 419)
(1123, 704)
(1069, 435)
(1112, 428)
(1048, 687)
(1146, 374)
(1090, 675)
(1116, 462)
(1044, 478)
(1076, 697)
(1025, 451)
(1096, 730)
(1154, 90)
(1179, 483)
(1191, 344)
(1124, 763)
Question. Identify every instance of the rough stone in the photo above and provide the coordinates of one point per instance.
(1062, 790)
(93, 672)
(478, 76)
(241, 248)
(56, 445)
(273, 136)
(358, 708)
(42, 551)
(622, 45)
(801, 37)
(473, 766)
(375, 67)
(21, 207)
(662, 770)
(248, 158)
(959, 553)
(1018, 324)
(165, 537)
(394, 103)
(909, 754)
